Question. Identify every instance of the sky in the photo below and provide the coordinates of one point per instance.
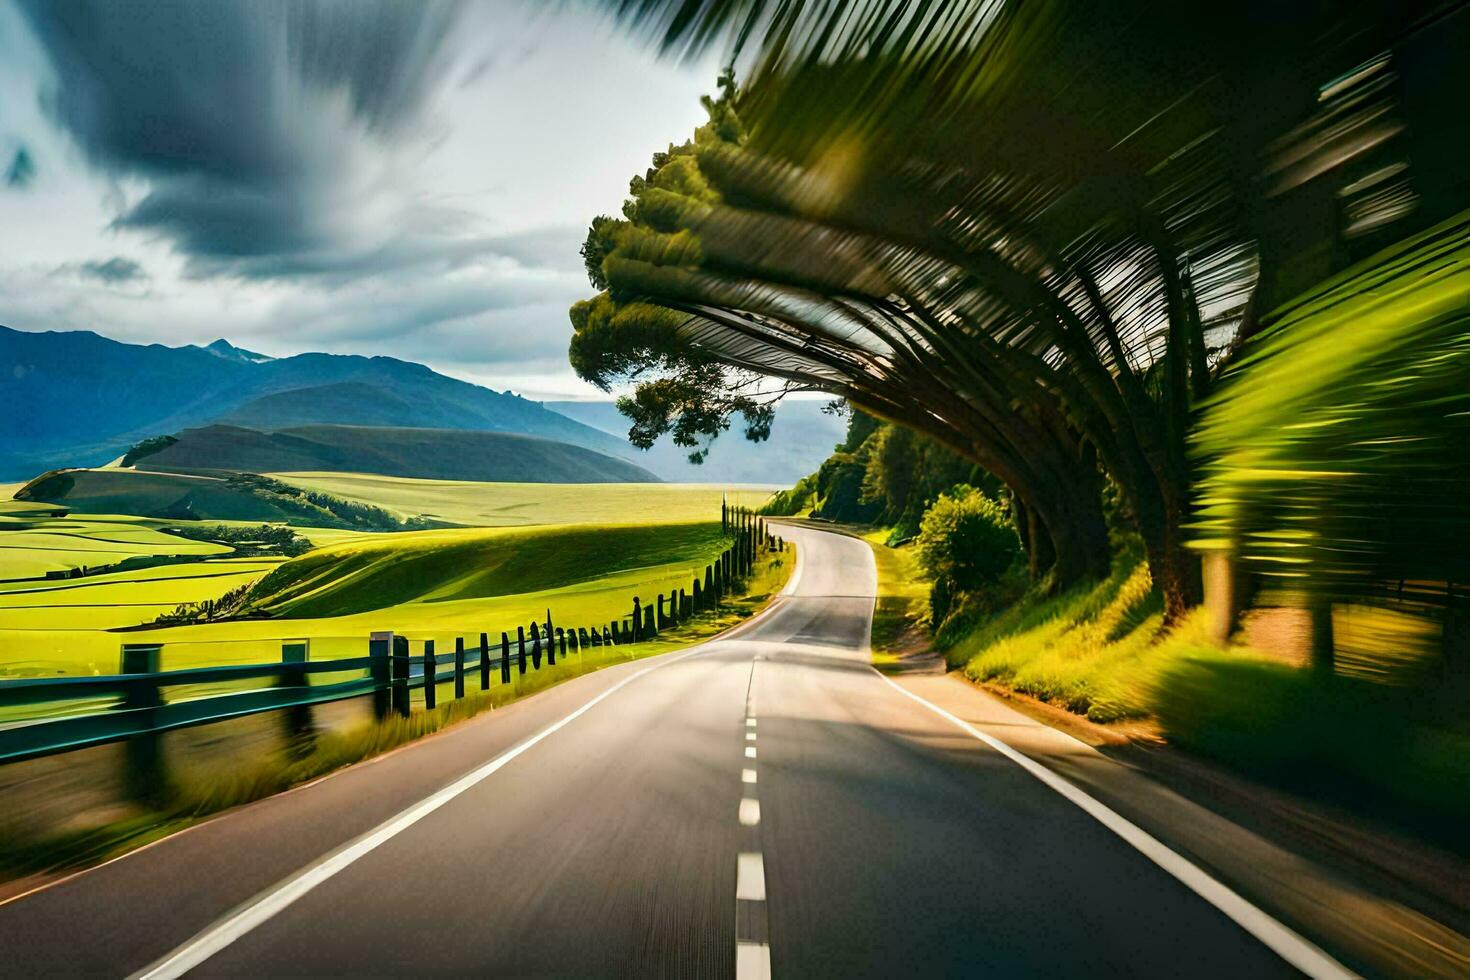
(350, 176)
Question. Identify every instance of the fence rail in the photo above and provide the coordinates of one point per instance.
(134, 706)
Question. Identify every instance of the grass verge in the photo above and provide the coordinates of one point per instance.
(1397, 751)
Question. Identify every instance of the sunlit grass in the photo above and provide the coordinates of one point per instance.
(903, 595)
(525, 504)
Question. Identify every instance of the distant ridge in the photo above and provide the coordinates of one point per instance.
(435, 454)
(78, 399)
(802, 437)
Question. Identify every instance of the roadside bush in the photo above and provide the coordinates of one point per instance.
(968, 539)
(789, 503)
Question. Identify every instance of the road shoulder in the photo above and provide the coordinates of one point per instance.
(1349, 916)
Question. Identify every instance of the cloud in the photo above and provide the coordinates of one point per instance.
(22, 169)
(273, 139)
(112, 272)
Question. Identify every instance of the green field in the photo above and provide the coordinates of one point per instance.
(522, 504)
(595, 547)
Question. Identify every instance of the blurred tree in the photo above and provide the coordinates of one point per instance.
(1029, 231)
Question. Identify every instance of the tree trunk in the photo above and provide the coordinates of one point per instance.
(1174, 568)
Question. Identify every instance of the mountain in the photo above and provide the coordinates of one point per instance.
(802, 437)
(78, 399)
(436, 454)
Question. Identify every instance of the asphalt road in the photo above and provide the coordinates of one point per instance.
(766, 802)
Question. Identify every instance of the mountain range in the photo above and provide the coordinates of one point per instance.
(79, 399)
(430, 454)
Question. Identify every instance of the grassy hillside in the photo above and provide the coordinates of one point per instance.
(441, 566)
(526, 504)
(202, 496)
(444, 454)
(49, 627)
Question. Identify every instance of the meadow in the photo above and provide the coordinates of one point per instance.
(581, 551)
(524, 504)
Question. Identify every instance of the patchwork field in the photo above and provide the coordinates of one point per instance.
(581, 551)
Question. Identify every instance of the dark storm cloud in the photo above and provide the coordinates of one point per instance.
(113, 271)
(252, 122)
(22, 169)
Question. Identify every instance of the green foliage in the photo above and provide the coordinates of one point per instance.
(967, 539)
(1352, 739)
(800, 499)
(321, 509)
(1335, 458)
(147, 448)
(265, 539)
(226, 606)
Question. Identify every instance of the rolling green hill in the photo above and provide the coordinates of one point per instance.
(199, 496)
(451, 565)
(440, 454)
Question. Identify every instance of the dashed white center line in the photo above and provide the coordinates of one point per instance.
(750, 877)
(752, 929)
(752, 961)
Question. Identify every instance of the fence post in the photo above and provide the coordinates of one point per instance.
(650, 624)
(535, 647)
(521, 646)
(484, 662)
(458, 667)
(561, 639)
(606, 637)
(380, 650)
(297, 716)
(431, 672)
(400, 675)
(550, 646)
(616, 632)
(504, 657)
(637, 618)
(147, 777)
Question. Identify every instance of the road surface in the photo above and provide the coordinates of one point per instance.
(765, 803)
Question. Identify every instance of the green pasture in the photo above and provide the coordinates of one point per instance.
(523, 504)
(597, 547)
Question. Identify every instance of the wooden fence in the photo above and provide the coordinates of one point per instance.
(134, 705)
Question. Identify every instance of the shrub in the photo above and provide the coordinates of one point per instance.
(968, 539)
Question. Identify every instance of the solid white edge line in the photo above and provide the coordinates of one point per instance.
(1279, 938)
(263, 907)
(752, 961)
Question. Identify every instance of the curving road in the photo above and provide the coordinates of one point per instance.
(764, 803)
